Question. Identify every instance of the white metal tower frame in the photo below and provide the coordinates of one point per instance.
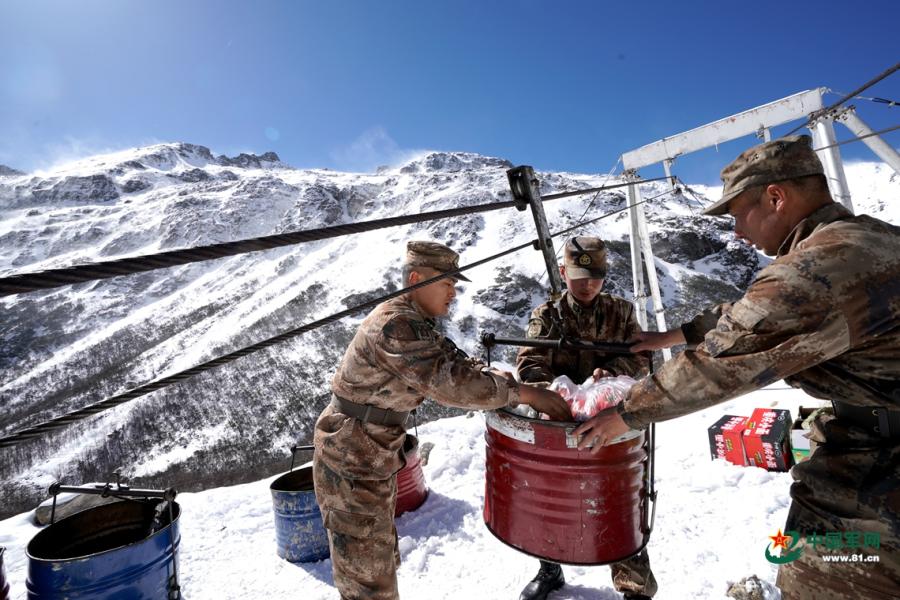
(756, 121)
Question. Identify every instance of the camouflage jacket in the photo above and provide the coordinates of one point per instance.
(396, 360)
(608, 319)
(824, 316)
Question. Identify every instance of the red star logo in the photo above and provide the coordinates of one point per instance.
(779, 540)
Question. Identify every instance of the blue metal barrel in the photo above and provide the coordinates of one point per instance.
(123, 551)
(298, 523)
(4, 586)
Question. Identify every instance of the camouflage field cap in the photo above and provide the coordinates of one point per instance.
(774, 161)
(434, 255)
(585, 257)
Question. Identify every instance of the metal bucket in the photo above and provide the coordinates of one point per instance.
(546, 498)
(299, 530)
(114, 551)
(411, 488)
(4, 586)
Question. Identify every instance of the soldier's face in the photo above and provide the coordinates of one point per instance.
(583, 290)
(759, 219)
(434, 299)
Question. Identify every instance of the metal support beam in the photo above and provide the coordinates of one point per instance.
(526, 191)
(831, 160)
(667, 167)
(644, 252)
(748, 122)
(637, 270)
(852, 122)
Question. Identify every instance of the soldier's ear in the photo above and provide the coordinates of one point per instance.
(777, 196)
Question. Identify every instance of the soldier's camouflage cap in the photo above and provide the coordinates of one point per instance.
(770, 162)
(585, 258)
(433, 255)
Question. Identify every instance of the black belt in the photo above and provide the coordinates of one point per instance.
(368, 413)
(878, 419)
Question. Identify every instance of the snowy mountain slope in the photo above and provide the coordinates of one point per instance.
(712, 526)
(65, 348)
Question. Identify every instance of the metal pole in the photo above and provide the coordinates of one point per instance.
(526, 191)
(652, 279)
(667, 167)
(878, 145)
(831, 160)
(637, 273)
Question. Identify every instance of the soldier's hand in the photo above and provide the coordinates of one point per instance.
(504, 374)
(600, 430)
(601, 373)
(655, 340)
(545, 401)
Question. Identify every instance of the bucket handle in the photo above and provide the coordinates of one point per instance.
(295, 449)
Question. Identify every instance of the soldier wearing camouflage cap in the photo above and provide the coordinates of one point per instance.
(825, 317)
(396, 359)
(585, 313)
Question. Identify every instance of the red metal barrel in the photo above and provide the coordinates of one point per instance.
(411, 489)
(546, 498)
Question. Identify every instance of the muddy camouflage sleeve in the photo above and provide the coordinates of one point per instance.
(786, 322)
(413, 351)
(696, 329)
(534, 364)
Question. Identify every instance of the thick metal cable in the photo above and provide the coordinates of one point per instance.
(856, 139)
(818, 113)
(876, 99)
(98, 407)
(53, 278)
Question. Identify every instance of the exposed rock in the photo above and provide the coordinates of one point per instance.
(752, 588)
(9, 171)
(134, 185)
(92, 188)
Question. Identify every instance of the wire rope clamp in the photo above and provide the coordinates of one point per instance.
(523, 184)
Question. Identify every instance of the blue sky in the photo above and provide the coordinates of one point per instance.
(562, 85)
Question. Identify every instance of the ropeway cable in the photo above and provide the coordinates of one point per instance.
(818, 113)
(98, 407)
(54, 278)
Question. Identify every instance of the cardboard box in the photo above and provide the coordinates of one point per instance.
(767, 439)
(725, 439)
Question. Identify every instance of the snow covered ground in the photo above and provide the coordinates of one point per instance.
(712, 526)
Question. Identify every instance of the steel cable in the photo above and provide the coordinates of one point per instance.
(98, 407)
(54, 278)
(822, 111)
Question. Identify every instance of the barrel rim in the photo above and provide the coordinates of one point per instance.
(295, 471)
(176, 511)
(628, 435)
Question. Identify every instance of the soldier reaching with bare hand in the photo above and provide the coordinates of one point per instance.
(825, 317)
(585, 313)
(394, 361)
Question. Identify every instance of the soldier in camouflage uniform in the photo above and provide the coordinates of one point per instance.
(394, 361)
(825, 317)
(584, 312)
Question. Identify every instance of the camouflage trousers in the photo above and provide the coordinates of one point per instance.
(363, 543)
(848, 492)
(354, 472)
(634, 575)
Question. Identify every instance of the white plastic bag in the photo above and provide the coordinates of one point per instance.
(589, 398)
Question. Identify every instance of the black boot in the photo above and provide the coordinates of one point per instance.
(549, 578)
(636, 596)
